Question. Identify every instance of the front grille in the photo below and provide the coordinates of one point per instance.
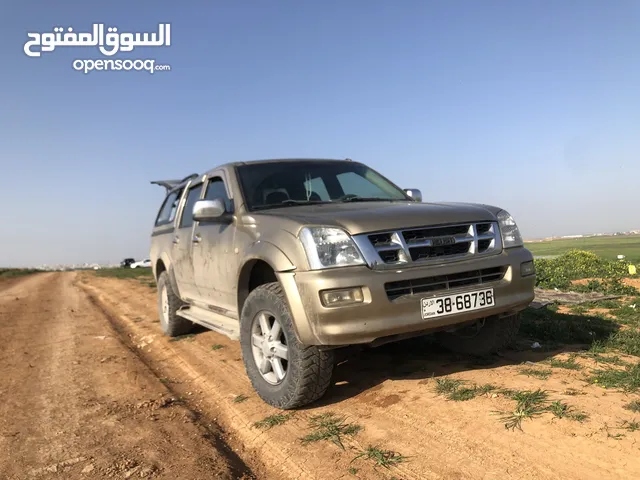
(420, 253)
(418, 286)
(424, 244)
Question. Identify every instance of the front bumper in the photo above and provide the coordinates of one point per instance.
(378, 316)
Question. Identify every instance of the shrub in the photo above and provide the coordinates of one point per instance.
(576, 264)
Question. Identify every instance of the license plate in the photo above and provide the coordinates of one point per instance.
(457, 303)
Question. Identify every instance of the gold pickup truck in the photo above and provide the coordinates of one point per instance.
(298, 257)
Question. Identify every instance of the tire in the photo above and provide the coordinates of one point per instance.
(495, 335)
(307, 369)
(172, 325)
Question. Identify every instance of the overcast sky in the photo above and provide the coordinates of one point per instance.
(531, 105)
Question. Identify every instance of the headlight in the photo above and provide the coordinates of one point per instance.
(329, 247)
(510, 234)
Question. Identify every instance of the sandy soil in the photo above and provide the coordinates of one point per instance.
(390, 392)
(55, 411)
(75, 402)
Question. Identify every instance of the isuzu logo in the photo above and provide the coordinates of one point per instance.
(442, 241)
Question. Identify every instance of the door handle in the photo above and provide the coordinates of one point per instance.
(176, 240)
(197, 238)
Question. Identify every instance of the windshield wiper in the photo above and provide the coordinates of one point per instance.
(290, 203)
(353, 198)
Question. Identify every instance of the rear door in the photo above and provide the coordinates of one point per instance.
(164, 227)
(183, 245)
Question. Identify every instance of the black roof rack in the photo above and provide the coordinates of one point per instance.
(171, 184)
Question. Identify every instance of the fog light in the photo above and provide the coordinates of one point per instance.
(527, 268)
(342, 297)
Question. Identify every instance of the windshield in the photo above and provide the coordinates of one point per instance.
(281, 184)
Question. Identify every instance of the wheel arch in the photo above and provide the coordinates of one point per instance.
(163, 264)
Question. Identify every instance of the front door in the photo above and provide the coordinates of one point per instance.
(183, 245)
(214, 257)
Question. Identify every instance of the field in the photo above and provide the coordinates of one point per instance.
(15, 272)
(606, 247)
(97, 391)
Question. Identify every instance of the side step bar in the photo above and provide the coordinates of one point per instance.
(211, 320)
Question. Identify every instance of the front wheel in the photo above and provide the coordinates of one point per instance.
(285, 373)
(496, 334)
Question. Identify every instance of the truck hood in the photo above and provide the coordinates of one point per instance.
(367, 217)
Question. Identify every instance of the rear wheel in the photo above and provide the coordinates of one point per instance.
(482, 339)
(285, 373)
(168, 305)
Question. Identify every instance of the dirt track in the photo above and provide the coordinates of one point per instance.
(76, 403)
(68, 393)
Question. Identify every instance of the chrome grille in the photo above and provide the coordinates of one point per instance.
(425, 244)
(443, 282)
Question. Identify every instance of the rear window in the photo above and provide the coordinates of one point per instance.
(169, 208)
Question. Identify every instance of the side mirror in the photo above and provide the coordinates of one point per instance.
(208, 210)
(414, 193)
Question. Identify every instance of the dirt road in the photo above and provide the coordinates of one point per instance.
(54, 410)
(76, 403)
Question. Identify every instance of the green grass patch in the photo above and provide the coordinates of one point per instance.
(578, 416)
(559, 409)
(548, 326)
(273, 420)
(577, 264)
(136, 273)
(382, 458)
(240, 398)
(627, 380)
(633, 406)
(445, 386)
(627, 314)
(610, 304)
(579, 309)
(16, 272)
(542, 374)
(216, 347)
(529, 404)
(569, 364)
(608, 360)
(330, 427)
(632, 426)
(189, 336)
(626, 341)
(608, 247)
(457, 391)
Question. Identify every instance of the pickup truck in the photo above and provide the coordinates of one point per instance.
(295, 258)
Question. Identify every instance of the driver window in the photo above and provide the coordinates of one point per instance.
(216, 189)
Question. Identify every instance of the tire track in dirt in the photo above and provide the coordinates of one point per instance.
(74, 402)
(389, 391)
(211, 384)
